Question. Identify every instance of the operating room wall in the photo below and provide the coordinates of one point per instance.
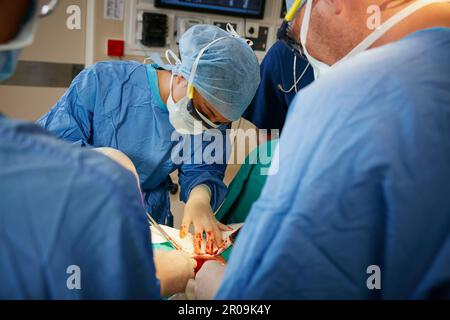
(107, 29)
(55, 44)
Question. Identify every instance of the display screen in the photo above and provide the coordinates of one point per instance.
(242, 8)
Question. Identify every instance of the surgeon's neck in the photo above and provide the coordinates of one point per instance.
(164, 84)
(432, 16)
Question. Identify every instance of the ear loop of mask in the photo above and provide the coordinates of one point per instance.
(153, 57)
(305, 26)
(171, 55)
(386, 26)
(234, 34)
(374, 36)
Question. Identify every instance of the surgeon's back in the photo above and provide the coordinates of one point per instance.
(360, 207)
(71, 225)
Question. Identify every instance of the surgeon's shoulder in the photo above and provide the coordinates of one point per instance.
(84, 170)
(115, 65)
(105, 176)
(277, 49)
(278, 55)
(113, 71)
(361, 85)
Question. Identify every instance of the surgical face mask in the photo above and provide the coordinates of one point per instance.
(179, 116)
(9, 52)
(321, 68)
(8, 61)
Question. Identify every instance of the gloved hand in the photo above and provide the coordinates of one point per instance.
(199, 213)
(207, 282)
(173, 270)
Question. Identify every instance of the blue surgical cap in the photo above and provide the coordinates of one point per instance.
(228, 72)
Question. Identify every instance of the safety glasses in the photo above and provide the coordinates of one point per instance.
(197, 115)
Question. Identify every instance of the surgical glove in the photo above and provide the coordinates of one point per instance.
(173, 270)
(199, 213)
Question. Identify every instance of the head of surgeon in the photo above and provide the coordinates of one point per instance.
(18, 20)
(214, 80)
(328, 31)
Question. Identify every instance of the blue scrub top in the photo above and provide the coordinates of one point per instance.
(63, 206)
(269, 107)
(117, 104)
(363, 181)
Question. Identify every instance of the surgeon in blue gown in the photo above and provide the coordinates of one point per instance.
(124, 105)
(360, 206)
(58, 213)
(72, 224)
(117, 104)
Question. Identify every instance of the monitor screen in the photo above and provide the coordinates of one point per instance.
(242, 8)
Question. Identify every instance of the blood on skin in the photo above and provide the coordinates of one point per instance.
(202, 259)
(183, 231)
(198, 243)
(210, 243)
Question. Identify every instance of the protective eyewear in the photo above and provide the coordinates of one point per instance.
(197, 115)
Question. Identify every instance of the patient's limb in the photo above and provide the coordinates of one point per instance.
(121, 158)
(173, 269)
(207, 281)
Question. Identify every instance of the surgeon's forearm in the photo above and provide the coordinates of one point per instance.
(163, 276)
(173, 269)
(163, 285)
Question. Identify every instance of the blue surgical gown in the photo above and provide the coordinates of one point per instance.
(269, 107)
(63, 206)
(363, 180)
(117, 104)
